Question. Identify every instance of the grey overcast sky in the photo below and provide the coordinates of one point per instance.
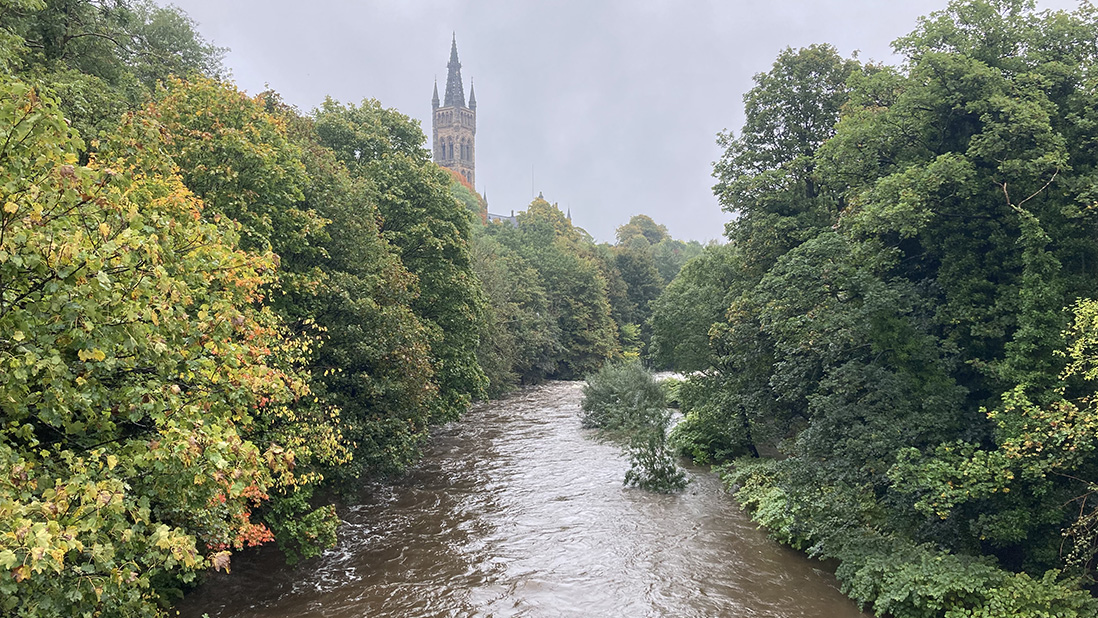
(610, 108)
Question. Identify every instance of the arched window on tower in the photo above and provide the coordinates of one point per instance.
(451, 149)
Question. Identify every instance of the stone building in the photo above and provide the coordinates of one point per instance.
(454, 126)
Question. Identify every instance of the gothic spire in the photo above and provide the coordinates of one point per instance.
(434, 99)
(455, 93)
(472, 96)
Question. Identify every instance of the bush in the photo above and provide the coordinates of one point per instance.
(625, 402)
(620, 397)
(652, 463)
(711, 432)
(673, 386)
(886, 572)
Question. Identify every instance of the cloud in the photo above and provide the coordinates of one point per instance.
(609, 108)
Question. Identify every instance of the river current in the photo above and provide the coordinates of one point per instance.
(518, 512)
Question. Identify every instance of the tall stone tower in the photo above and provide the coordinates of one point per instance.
(455, 124)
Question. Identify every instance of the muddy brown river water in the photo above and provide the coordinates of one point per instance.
(517, 511)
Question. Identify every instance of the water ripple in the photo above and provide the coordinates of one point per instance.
(517, 512)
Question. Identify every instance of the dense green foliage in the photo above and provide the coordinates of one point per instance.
(893, 574)
(897, 312)
(101, 58)
(521, 342)
(625, 403)
(216, 311)
(207, 313)
(552, 265)
(145, 387)
(419, 218)
(695, 299)
(645, 259)
(559, 306)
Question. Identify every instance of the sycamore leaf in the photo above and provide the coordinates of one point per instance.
(8, 559)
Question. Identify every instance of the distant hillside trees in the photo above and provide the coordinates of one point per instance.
(554, 261)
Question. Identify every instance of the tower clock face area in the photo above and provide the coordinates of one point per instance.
(454, 125)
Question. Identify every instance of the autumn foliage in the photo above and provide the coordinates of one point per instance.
(136, 365)
(205, 318)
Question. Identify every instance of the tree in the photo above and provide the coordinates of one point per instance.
(103, 58)
(163, 41)
(236, 157)
(373, 358)
(642, 226)
(430, 229)
(689, 306)
(521, 341)
(767, 176)
(898, 303)
(565, 258)
(671, 255)
(141, 380)
(638, 271)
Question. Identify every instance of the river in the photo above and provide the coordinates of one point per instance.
(517, 511)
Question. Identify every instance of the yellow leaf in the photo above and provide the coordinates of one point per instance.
(92, 354)
(112, 461)
(104, 230)
(11, 207)
(18, 335)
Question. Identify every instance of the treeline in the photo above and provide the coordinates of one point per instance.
(561, 305)
(217, 312)
(903, 322)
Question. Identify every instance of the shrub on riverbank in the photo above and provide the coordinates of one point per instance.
(626, 402)
(886, 573)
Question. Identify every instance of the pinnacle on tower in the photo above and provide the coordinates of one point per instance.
(434, 99)
(472, 96)
(455, 93)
